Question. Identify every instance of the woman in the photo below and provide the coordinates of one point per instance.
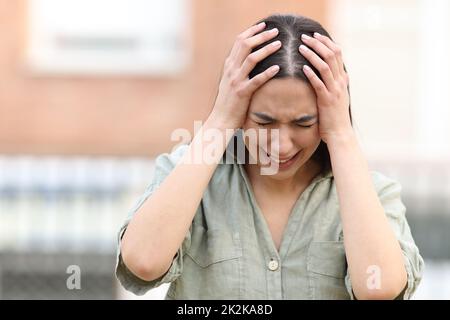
(321, 227)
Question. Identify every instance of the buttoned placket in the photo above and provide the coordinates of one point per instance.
(273, 258)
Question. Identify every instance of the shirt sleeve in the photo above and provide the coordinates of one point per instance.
(164, 164)
(389, 193)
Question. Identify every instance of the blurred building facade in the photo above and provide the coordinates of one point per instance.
(135, 114)
(77, 137)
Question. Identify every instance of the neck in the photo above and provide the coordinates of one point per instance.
(299, 181)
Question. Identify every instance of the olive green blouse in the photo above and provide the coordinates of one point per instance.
(228, 252)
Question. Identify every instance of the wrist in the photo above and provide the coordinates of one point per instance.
(218, 122)
(215, 127)
(342, 138)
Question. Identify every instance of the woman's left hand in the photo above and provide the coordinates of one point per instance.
(333, 99)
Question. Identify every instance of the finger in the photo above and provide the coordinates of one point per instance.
(246, 46)
(326, 53)
(257, 56)
(257, 81)
(246, 34)
(333, 47)
(320, 65)
(315, 81)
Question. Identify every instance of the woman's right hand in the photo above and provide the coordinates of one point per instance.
(235, 88)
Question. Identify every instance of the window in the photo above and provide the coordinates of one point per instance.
(89, 37)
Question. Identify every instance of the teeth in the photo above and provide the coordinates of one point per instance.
(279, 161)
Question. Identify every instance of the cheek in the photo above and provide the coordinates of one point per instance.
(308, 137)
(303, 138)
(251, 136)
(249, 124)
(246, 125)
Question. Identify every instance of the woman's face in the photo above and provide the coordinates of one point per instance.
(288, 105)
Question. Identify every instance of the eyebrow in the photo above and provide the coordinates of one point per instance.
(266, 117)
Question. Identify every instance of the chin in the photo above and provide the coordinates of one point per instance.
(290, 172)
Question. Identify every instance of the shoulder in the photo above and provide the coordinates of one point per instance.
(384, 184)
(166, 162)
(379, 180)
(169, 160)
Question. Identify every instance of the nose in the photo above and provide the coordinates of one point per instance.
(284, 144)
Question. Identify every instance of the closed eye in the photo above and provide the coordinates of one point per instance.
(298, 125)
(303, 126)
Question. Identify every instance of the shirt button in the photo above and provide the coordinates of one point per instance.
(273, 265)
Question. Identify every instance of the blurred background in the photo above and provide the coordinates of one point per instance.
(90, 92)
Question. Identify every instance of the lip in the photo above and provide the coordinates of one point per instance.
(281, 160)
(286, 162)
(286, 159)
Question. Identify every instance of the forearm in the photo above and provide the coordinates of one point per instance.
(368, 238)
(158, 228)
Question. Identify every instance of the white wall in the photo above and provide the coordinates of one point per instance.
(397, 57)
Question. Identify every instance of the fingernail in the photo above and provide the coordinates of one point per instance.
(307, 68)
(276, 43)
(317, 35)
(261, 24)
(274, 30)
(305, 37)
(303, 48)
(275, 68)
